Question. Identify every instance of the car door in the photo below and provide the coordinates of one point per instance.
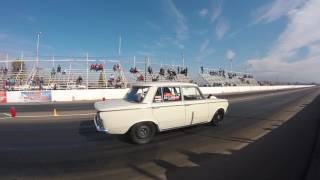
(168, 108)
(196, 105)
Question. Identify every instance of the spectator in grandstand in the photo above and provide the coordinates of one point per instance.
(161, 72)
(171, 72)
(96, 66)
(141, 78)
(119, 83)
(7, 82)
(100, 67)
(79, 80)
(201, 69)
(133, 70)
(59, 69)
(12, 81)
(41, 82)
(64, 72)
(111, 78)
(116, 67)
(178, 70)
(53, 72)
(150, 71)
(92, 67)
(155, 78)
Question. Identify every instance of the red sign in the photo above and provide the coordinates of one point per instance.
(3, 97)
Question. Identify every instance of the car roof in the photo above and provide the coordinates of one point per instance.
(160, 84)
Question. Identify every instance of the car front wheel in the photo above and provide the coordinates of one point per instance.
(142, 133)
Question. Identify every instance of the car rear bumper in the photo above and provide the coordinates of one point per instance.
(98, 122)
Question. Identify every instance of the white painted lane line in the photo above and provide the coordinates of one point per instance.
(6, 114)
(61, 115)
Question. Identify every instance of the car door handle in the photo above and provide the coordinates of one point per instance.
(155, 107)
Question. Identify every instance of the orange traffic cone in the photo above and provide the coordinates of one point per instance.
(13, 112)
(55, 112)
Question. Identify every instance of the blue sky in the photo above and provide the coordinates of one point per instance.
(203, 30)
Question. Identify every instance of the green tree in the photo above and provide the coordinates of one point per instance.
(101, 81)
(17, 66)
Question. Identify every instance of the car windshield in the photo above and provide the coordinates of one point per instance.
(137, 94)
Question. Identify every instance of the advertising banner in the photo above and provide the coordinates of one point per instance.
(3, 97)
(35, 96)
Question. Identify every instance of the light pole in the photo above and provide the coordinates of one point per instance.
(182, 55)
(119, 48)
(38, 41)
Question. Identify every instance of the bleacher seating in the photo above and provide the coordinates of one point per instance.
(211, 77)
(65, 78)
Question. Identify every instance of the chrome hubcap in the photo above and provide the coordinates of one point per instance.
(143, 132)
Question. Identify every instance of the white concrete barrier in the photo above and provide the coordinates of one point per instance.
(98, 94)
(242, 89)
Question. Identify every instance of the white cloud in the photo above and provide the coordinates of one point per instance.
(13, 45)
(3, 35)
(222, 27)
(153, 26)
(31, 19)
(204, 45)
(203, 13)
(276, 9)
(284, 59)
(216, 11)
(181, 28)
(230, 54)
(205, 50)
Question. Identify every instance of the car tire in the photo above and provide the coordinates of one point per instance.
(142, 133)
(217, 118)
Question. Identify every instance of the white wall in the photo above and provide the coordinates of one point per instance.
(97, 94)
(90, 94)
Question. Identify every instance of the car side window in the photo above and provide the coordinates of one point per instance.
(158, 97)
(167, 94)
(191, 94)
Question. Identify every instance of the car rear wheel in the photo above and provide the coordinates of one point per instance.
(142, 133)
(217, 118)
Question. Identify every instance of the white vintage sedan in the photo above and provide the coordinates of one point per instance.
(154, 107)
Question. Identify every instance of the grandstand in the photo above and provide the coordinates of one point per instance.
(221, 77)
(89, 73)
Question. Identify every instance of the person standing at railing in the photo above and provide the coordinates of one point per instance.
(59, 69)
